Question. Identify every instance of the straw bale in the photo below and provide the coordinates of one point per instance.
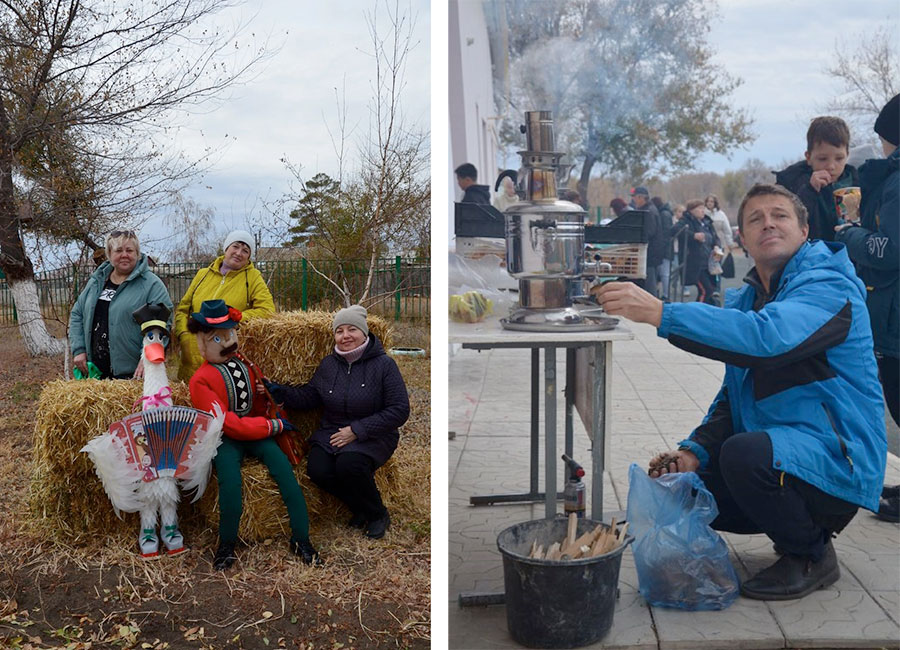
(288, 346)
(68, 499)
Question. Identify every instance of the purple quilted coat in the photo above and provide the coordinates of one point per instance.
(369, 395)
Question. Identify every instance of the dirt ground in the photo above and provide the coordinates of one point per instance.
(369, 593)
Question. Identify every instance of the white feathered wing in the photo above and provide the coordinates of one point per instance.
(199, 462)
(120, 478)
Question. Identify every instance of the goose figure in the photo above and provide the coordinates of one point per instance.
(144, 458)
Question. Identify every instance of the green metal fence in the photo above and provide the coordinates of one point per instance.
(400, 289)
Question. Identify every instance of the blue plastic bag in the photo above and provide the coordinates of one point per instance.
(681, 561)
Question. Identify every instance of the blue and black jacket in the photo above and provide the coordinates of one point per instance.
(799, 366)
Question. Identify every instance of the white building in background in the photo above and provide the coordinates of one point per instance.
(473, 116)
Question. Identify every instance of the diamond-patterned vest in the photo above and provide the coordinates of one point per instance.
(238, 385)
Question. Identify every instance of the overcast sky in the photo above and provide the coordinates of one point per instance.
(282, 112)
(780, 48)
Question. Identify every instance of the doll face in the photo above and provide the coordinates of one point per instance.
(218, 345)
(155, 341)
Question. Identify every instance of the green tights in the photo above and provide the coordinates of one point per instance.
(228, 472)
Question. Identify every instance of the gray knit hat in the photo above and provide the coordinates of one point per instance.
(354, 315)
(242, 236)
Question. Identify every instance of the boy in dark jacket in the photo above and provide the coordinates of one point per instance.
(825, 169)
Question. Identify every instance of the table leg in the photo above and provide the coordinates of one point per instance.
(570, 405)
(535, 418)
(600, 425)
(550, 432)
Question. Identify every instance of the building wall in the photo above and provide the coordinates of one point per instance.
(472, 109)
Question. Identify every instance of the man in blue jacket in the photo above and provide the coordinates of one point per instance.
(794, 442)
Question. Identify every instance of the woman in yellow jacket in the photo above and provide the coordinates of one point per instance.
(231, 277)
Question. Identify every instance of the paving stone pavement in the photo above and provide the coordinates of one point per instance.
(659, 393)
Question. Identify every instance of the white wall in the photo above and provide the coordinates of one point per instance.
(471, 94)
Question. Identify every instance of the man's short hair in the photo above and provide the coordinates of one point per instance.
(767, 189)
(830, 130)
(467, 170)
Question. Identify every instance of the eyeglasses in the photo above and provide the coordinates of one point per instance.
(122, 233)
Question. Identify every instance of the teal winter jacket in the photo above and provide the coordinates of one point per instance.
(141, 287)
(801, 368)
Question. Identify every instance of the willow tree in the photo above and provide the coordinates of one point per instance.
(90, 91)
(631, 83)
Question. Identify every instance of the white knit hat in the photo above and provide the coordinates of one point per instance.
(239, 235)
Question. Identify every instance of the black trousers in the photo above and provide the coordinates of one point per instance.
(755, 498)
(350, 477)
(705, 287)
(889, 373)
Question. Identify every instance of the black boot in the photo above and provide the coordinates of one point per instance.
(358, 520)
(889, 504)
(305, 550)
(377, 527)
(793, 576)
(225, 556)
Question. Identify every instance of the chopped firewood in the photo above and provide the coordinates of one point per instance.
(553, 553)
(539, 552)
(533, 548)
(573, 529)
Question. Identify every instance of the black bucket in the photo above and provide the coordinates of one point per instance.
(557, 604)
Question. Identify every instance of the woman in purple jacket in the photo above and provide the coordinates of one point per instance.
(365, 402)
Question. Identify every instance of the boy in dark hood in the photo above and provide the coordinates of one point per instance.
(824, 170)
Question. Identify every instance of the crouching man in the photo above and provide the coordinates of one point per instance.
(794, 442)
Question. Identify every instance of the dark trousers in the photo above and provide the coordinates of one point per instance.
(350, 477)
(755, 498)
(228, 462)
(889, 373)
(705, 287)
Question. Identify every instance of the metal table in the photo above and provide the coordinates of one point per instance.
(588, 384)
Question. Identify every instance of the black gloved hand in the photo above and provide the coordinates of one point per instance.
(286, 425)
(277, 391)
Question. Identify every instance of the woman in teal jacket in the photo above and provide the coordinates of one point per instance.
(101, 328)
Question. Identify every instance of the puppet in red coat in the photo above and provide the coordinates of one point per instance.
(251, 424)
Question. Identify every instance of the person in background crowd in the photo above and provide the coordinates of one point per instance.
(666, 221)
(466, 177)
(824, 170)
(874, 246)
(794, 442)
(700, 239)
(101, 328)
(507, 194)
(640, 200)
(723, 233)
(230, 277)
(618, 206)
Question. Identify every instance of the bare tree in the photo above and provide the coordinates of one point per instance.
(868, 76)
(90, 94)
(384, 202)
(631, 83)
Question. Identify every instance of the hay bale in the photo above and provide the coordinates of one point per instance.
(289, 346)
(68, 499)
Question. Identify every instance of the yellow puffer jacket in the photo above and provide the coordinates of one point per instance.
(244, 290)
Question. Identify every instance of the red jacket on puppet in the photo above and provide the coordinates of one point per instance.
(234, 383)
